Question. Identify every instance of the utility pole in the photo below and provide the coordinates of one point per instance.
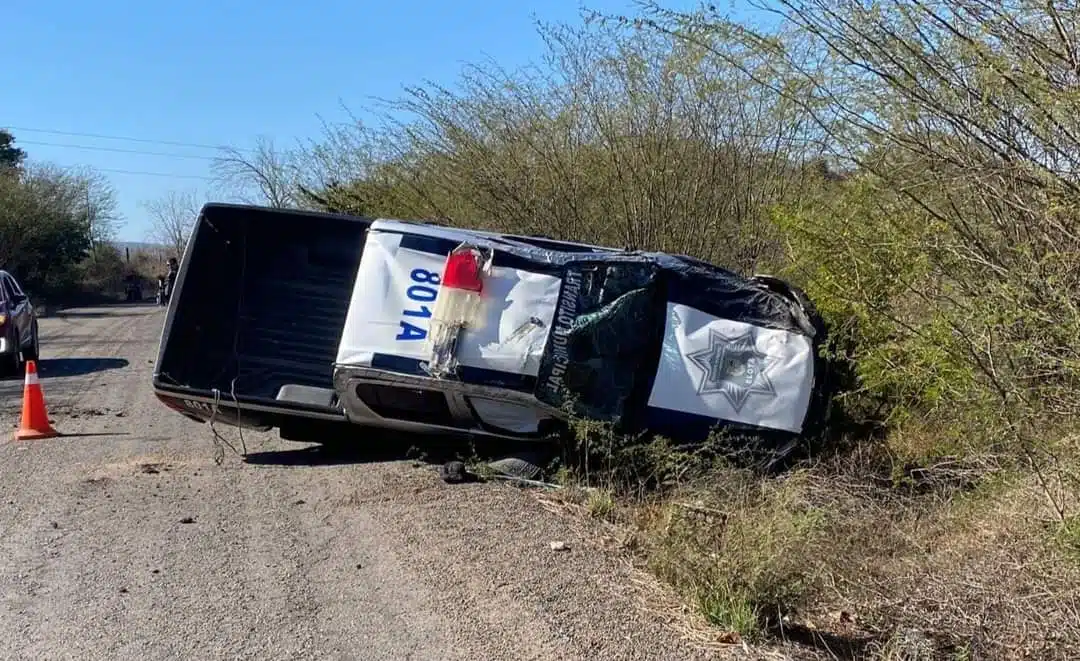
(89, 217)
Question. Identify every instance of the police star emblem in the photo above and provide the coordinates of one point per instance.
(734, 367)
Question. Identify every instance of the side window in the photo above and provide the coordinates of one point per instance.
(14, 284)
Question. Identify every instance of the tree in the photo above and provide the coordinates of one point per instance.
(955, 243)
(45, 230)
(172, 218)
(11, 157)
(103, 269)
(93, 196)
(55, 225)
(626, 138)
(264, 174)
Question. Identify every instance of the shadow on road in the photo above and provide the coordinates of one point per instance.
(358, 445)
(54, 367)
(98, 311)
(367, 447)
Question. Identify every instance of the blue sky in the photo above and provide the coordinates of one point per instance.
(223, 72)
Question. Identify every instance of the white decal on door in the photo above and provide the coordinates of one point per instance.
(734, 368)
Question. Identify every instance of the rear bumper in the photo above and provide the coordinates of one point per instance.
(204, 407)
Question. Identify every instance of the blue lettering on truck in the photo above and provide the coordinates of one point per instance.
(424, 291)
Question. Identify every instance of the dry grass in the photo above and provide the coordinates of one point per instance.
(601, 503)
(983, 575)
(853, 559)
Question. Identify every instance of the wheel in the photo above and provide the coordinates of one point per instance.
(9, 366)
(12, 364)
(34, 350)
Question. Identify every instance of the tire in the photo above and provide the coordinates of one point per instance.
(9, 367)
(33, 352)
(12, 364)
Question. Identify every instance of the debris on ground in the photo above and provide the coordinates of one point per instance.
(522, 465)
(453, 472)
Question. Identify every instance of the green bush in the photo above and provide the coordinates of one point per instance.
(48, 222)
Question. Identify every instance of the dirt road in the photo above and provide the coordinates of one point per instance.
(127, 541)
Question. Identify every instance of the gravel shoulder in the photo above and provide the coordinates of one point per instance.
(126, 540)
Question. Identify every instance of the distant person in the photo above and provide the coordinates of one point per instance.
(168, 281)
(170, 277)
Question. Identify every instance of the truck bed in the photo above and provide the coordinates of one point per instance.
(259, 307)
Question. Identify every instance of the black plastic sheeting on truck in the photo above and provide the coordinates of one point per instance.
(607, 332)
(602, 356)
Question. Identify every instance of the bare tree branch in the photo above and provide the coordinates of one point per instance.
(172, 218)
(265, 175)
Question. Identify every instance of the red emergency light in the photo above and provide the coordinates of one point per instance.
(463, 270)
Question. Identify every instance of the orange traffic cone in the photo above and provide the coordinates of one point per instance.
(35, 419)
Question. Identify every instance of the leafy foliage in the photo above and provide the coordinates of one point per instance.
(50, 221)
(11, 157)
(961, 266)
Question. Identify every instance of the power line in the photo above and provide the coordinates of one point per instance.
(152, 174)
(102, 136)
(119, 150)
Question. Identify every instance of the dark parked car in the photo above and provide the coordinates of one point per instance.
(18, 326)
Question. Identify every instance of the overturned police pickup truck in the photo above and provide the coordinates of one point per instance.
(288, 318)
